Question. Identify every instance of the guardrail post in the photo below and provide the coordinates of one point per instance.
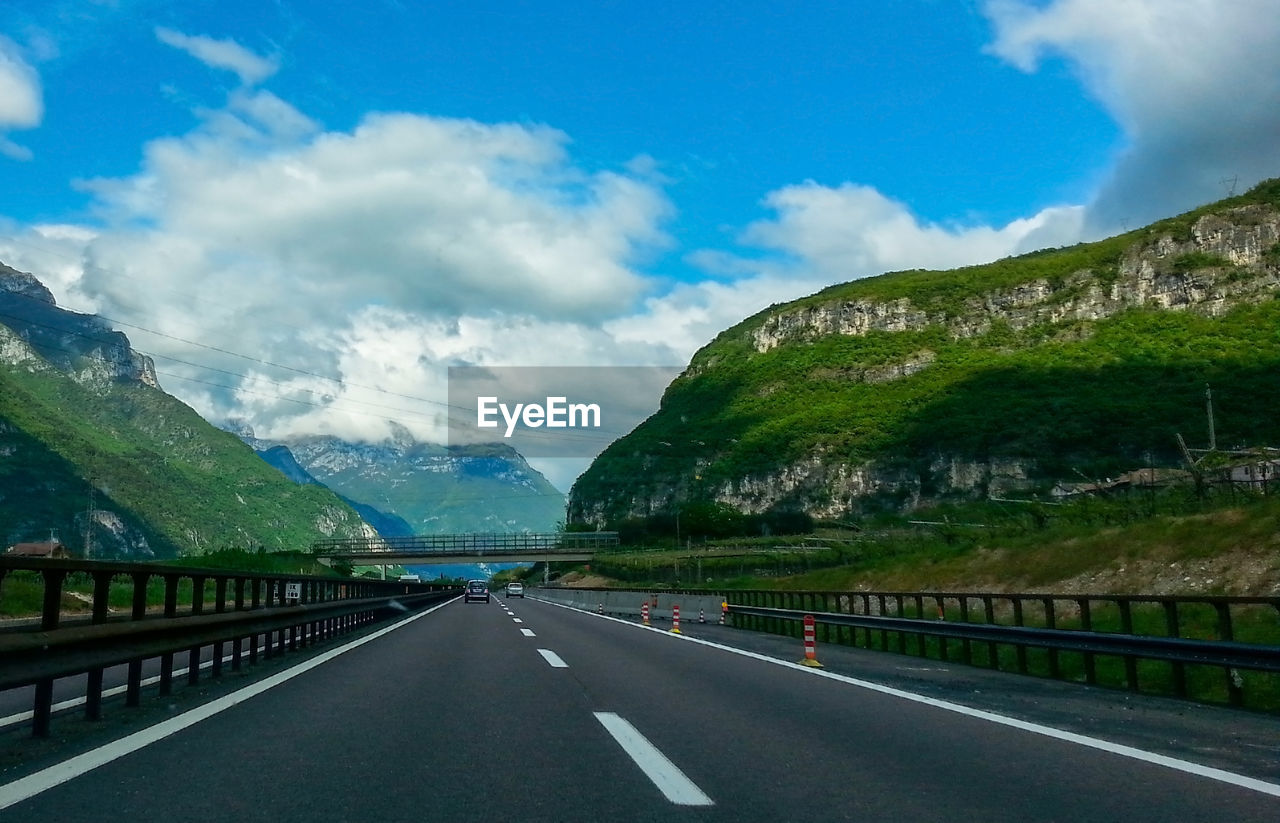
(884, 633)
(1126, 627)
(170, 611)
(942, 641)
(1235, 691)
(966, 647)
(197, 608)
(1051, 622)
(920, 644)
(989, 614)
(93, 685)
(51, 613)
(51, 607)
(133, 687)
(902, 638)
(1020, 649)
(866, 610)
(1172, 627)
(1086, 623)
(237, 644)
(220, 595)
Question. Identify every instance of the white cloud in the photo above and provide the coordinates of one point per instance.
(1195, 84)
(377, 256)
(830, 235)
(21, 99)
(221, 54)
(854, 231)
(433, 215)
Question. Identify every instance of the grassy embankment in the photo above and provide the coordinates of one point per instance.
(1170, 543)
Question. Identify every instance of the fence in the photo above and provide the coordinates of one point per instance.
(1218, 649)
(285, 611)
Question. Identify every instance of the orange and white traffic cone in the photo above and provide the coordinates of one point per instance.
(599, 608)
(702, 615)
(644, 613)
(810, 644)
(675, 619)
(724, 610)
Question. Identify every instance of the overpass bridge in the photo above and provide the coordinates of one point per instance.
(430, 549)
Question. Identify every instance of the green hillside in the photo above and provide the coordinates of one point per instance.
(165, 482)
(971, 376)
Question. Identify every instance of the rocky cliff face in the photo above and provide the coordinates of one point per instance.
(1162, 275)
(81, 345)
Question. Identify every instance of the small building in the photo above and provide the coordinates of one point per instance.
(51, 549)
(1256, 471)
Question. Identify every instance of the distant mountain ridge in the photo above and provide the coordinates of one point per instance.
(93, 450)
(424, 487)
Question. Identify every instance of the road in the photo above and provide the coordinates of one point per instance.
(548, 714)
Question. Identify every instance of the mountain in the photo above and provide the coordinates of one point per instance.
(92, 448)
(914, 387)
(424, 487)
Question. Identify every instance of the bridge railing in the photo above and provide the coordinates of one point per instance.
(471, 543)
(141, 611)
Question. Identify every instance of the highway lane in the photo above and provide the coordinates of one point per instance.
(786, 739)
(461, 714)
(445, 718)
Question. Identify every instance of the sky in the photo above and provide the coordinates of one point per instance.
(307, 211)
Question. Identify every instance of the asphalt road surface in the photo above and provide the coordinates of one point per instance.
(548, 714)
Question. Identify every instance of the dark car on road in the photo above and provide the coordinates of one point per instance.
(476, 590)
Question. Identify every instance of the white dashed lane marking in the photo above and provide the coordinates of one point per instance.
(528, 632)
(553, 659)
(665, 775)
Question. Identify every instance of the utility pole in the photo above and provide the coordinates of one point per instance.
(88, 524)
(1208, 405)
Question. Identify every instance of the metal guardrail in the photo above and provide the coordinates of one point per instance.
(1172, 649)
(286, 611)
(1179, 631)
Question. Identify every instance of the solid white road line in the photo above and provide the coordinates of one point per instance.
(553, 658)
(1186, 766)
(665, 775)
(528, 632)
(45, 779)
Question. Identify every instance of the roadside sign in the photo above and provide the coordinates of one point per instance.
(292, 592)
